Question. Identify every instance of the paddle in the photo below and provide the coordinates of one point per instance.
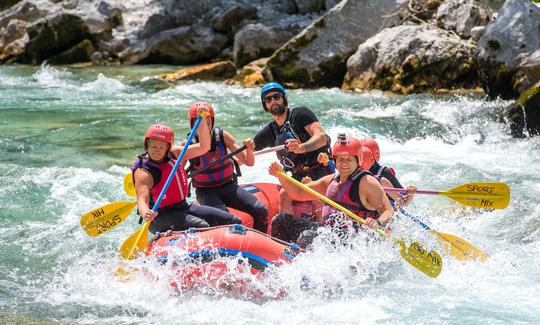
(430, 263)
(453, 245)
(478, 195)
(129, 188)
(134, 241)
(103, 219)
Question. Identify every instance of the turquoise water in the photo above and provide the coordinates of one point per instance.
(68, 135)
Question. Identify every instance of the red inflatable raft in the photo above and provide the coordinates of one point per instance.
(198, 254)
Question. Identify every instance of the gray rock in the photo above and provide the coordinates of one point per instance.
(505, 48)
(254, 41)
(462, 15)
(182, 45)
(316, 56)
(416, 58)
(477, 32)
(54, 36)
(309, 6)
(228, 18)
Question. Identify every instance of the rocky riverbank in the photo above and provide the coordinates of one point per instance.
(402, 46)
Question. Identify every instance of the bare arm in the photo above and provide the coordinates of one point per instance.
(294, 191)
(245, 157)
(197, 149)
(143, 184)
(374, 198)
(317, 139)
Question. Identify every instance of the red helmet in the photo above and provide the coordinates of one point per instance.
(367, 158)
(373, 146)
(192, 111)
(159, 132)
(347, 146)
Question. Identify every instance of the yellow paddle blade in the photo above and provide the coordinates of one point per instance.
(459, 248)
(136, 243)
(103, 219)
(481, 195)
(129, 187)
(429, 263)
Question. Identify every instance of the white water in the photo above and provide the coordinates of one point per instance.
(54, 171)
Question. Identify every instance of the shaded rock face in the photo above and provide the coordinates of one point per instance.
(507, 59)
(182, 45)
(462, 15)
(524, 115)
(415, 58)
(316, 56)
(228, 18)
(55, 35)
(257, 40)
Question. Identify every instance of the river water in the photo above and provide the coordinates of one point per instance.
(68, 135)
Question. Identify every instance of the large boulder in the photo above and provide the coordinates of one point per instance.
(316, 56)
(415, 58)
(254, 41)
(53, 36)
(524, 115)
(462, 15)
(230, 17)
(183, 45)
(507, 52)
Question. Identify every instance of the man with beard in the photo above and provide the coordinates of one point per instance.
(304, 139)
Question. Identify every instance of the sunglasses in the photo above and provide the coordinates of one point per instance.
(268, 99)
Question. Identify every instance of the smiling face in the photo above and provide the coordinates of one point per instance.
(346, 165)
(157, 149)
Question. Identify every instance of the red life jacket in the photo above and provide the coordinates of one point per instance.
(221, 173)
(177, 190)
(341, 194)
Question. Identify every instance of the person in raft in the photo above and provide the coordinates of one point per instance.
(304, 138)
(217, 186)
(355, 189)
(385, 175)
(150, 173)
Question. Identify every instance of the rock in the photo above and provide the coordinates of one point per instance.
(407, 59)
(461, 16)
(5, 4)
(250, 75)
(13, 40)
(477, 32)
(329, 4)
(525, 113)
(317, 56)
(290, 6)
(309, 6)
(503, 53)
(228, 18)
(156, 24)
(254, 41)
(212, 71)
(81, 52)
(56, 35)
(183, 45)
(27, 12)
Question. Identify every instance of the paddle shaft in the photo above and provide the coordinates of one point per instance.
(177, 164)
(222, 159)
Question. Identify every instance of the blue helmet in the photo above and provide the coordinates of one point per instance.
(273, 86)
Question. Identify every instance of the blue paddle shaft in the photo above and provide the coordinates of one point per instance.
(175, 168)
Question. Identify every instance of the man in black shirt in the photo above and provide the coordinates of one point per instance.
(304, 138)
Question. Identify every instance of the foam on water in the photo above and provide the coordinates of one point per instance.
(70, 153)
